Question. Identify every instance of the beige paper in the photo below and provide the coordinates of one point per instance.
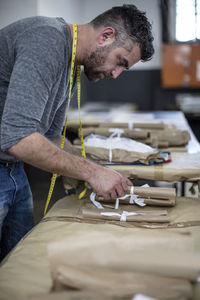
(147, 201)
(119, 284)
(128, 133)
(166, 138)
(154, 196)
(119, 155)
(172, 137)
(113, 252)
(74, 295)
(183, 167)
(152, 192)
(30, 255)
(147, 125)
(141, 216)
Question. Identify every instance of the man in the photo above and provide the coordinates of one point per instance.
(35, 56)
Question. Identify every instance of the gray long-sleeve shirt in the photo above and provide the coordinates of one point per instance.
(35, 56)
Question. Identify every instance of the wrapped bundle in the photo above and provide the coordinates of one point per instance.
(147, 125)
(173, 137)
(159, 135)
(74, 124)
(120, 155)
(120, 150)
(154, 196)
(154, 138)
(167, 138)
(154, 216)
(129, 133)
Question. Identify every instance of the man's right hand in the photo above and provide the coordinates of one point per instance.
(41, 153)
(109, 183)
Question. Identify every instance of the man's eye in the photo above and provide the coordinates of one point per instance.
(123, 64)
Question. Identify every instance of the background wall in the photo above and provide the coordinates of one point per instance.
(82, 11)
(141, 85)
(138, 85)
(13, 10)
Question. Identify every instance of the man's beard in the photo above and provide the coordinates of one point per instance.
(94, 61)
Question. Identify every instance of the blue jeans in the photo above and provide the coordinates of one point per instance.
(16, 206)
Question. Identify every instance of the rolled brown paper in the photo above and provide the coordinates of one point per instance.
(148, 125)
(146, 216)
(129, 133)
(149, 201)
(150, 192)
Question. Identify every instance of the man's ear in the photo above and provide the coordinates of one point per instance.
(106, 36)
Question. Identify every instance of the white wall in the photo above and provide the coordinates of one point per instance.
(70, 10)
(13, 10)
(82, 11)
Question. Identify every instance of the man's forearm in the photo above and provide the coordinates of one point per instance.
(68, 147)
(40, 152)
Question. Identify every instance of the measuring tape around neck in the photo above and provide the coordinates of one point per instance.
(54, 176)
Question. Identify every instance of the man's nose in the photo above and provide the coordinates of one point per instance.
(117, 71)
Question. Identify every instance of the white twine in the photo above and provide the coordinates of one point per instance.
(110, 154)
(122, 216)
(132, 196)
(96, 203)
(140, 201)
(130, 125)
(142, 297)
(145, 185)
(134, 199)
(117, 203)
(116, 132)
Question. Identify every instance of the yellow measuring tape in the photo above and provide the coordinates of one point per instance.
(54, 176)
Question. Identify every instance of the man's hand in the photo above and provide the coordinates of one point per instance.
(109, 183)
(41, 153)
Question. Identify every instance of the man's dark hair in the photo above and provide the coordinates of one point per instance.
(130, 24)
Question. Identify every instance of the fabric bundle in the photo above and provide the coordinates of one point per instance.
(159, 134)
(120, 156)
(126, 132)
(167, 138)
(154, 196)
(155, 134)
(131, 125)
(127, 216)
(118, 150)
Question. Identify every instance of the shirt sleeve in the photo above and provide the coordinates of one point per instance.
(57, 126)
(36, 68)
(59, 120)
